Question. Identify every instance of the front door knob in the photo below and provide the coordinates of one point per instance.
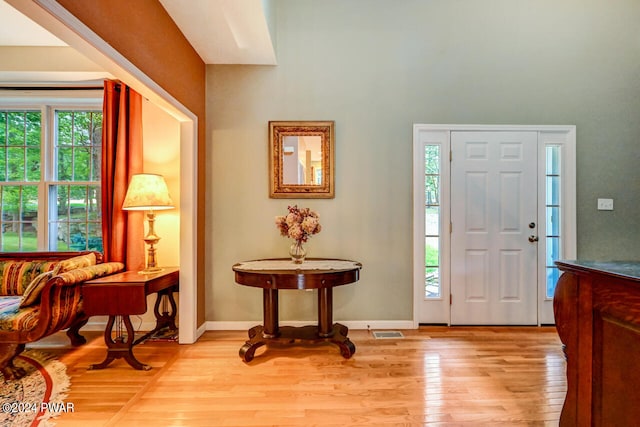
(533, 239)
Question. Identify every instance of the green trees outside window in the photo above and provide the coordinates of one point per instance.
(432, 220)
(50, 179)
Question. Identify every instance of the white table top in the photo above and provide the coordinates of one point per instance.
(285, 264)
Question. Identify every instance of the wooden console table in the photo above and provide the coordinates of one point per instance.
(124, 294)
(597, 311)
(273, 275)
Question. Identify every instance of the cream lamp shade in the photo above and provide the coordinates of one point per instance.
(147, 192)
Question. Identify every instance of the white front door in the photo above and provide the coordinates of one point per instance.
(493, 219)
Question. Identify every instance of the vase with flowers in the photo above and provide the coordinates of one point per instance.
(299, 224)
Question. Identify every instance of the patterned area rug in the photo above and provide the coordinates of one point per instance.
(164, 334)
(37, 397)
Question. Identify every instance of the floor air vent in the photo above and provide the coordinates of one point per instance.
(387, 335)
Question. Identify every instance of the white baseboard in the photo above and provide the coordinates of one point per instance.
(244, 325)
(351, 324)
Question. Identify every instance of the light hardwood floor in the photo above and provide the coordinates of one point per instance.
(474, 376)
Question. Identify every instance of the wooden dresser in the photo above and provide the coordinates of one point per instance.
(597, 312)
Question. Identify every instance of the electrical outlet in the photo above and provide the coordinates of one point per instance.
(605, 204)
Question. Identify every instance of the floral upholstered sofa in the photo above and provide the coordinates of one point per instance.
(40, 294)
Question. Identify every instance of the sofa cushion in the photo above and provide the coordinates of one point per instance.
(91, 272)
(13, 318)
(76, 262)
(31, 295)
(17, 275)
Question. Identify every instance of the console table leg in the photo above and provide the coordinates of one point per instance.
(166, 318)
(256, 339)
(325, 312)
(118, 347)
(259, 335)
(347, 348)
(270, 313)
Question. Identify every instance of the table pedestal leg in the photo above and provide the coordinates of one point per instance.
(336, 333)
(325, 312)
(347, 348)
(259, 335)
(270, 312)
(119, 347)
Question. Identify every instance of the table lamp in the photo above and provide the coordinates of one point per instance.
(148, 192)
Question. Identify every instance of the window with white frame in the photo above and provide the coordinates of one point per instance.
(50, 161)
(432, 214)
(552, 215)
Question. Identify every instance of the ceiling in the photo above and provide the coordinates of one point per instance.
(18, 30)
(225, 31)
(221, 31)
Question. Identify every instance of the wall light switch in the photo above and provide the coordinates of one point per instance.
(605, 204)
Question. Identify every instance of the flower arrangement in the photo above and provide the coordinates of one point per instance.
(299, 224)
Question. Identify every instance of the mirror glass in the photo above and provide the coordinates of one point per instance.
(301, 159)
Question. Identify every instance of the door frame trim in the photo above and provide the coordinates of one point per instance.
(61, 23)
(564, 135)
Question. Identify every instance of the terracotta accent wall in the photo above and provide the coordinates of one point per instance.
(145, 34)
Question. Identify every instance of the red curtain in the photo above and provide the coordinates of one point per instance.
(122, 231)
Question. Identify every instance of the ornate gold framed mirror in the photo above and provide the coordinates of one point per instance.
(301, 157)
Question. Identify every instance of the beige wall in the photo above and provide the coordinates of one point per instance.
(376, 67)
(161, 135)
(161, 149)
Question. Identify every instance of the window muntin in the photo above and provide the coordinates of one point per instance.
(553, 180)
(20, 157)
(432, 179)
(75, 220)
(50, 181)
(74, 193)
(19, 218)
(78, 145)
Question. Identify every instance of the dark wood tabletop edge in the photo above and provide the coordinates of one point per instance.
(168, 271)
(597, 267)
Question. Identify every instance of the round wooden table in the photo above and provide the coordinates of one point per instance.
(275, 274)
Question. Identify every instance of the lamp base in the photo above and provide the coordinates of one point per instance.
(151, 270)
(151, 239)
